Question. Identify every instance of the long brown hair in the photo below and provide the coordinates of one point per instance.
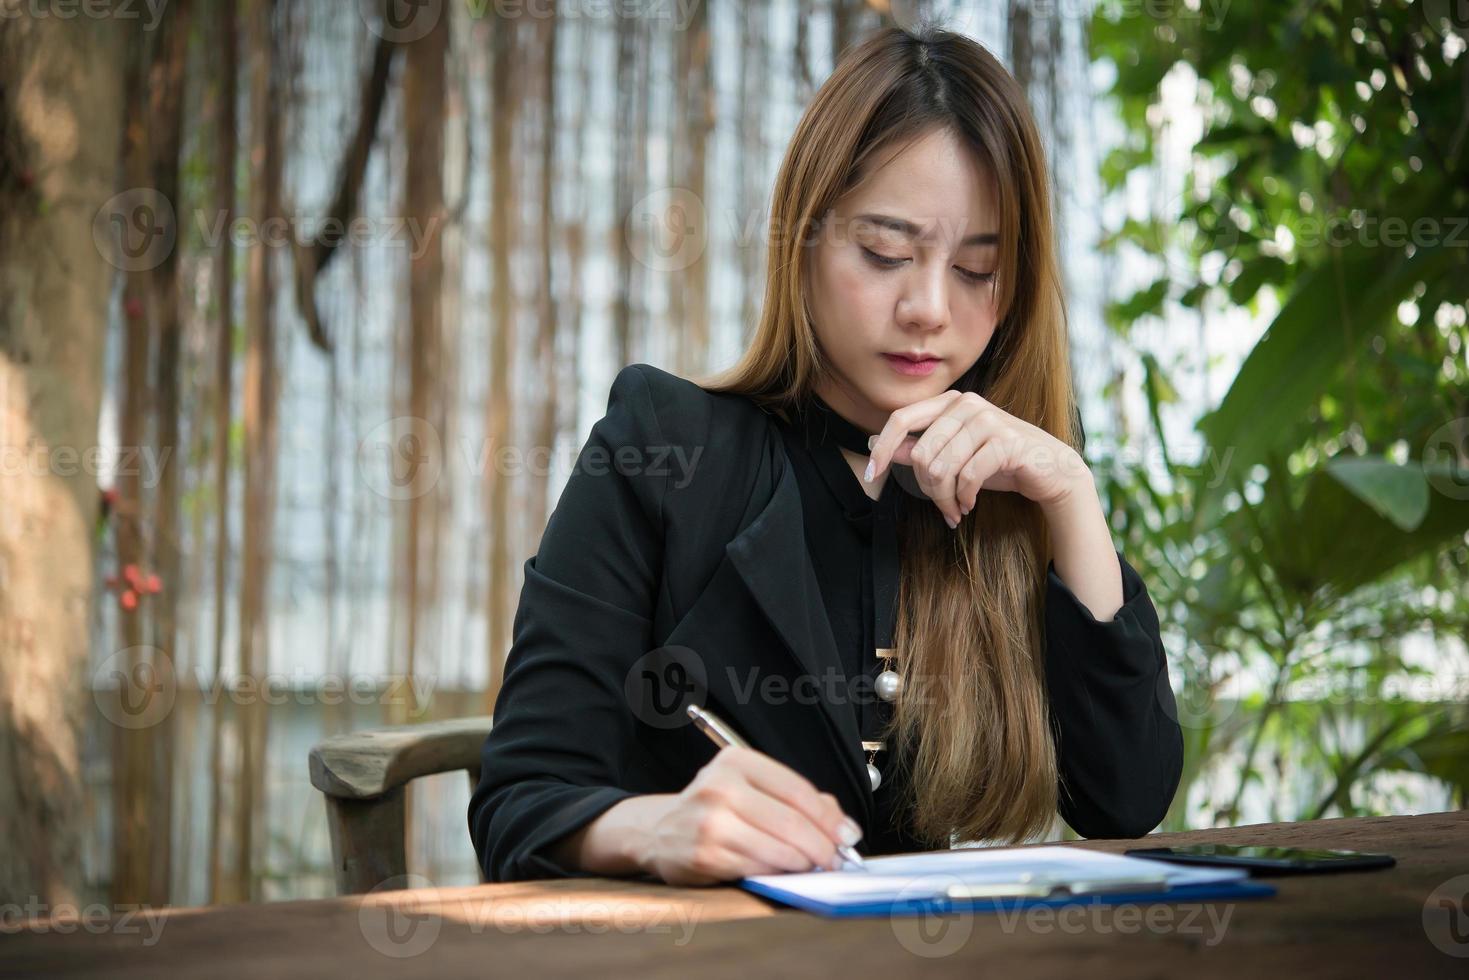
(971, 727)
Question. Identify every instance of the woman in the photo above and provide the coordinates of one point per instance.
(925, 638)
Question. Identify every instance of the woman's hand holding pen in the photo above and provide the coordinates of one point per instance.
(744, 813)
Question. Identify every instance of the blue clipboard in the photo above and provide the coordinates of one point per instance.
(939, 903)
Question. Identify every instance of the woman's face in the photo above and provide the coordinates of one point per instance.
(904, 264)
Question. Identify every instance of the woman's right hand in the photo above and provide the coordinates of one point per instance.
(744, 813)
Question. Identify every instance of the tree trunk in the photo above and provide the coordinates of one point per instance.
(625, 172)
(505, 96)
(423, 111)
(260, 397)
(753, 88)
(226, 148)
(60, 121)
(688, 298)
(142, 777)
(147, 781)
(132, 746)
(547, 361)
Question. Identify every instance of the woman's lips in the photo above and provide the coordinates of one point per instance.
(913, 369)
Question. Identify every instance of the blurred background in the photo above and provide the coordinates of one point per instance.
(306, 307)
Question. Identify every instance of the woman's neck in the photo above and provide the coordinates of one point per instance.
(851, 407)
(842, 405)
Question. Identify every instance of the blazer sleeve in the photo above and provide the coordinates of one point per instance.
(1119, 745)
(561, 731)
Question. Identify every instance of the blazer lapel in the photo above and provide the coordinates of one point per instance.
(770, 556)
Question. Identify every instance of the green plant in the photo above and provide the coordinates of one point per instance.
(1321, 533)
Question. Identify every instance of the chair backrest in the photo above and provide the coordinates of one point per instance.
(362, 776)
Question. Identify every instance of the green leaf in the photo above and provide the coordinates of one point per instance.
(1160, 391)
(1144, 302)
(1303, 349)
(1255, 274)
(1193, 298)
(1398, 493)
(1441, 754)
(1336, 542)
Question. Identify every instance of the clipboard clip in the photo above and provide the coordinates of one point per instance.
(1030, 885)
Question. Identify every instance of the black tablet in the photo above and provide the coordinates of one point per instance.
(1266, 860)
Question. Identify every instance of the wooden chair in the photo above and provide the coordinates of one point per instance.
(363, 775)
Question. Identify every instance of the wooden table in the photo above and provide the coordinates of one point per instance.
(1369, 924)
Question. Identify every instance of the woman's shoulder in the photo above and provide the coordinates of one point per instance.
(714, 441)
(681, 409)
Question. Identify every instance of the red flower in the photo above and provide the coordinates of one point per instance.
(154, 585)
(130, 572)
(129, 600)
(109, 496)
(133, 307)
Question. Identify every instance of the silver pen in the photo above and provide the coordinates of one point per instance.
(721, 735)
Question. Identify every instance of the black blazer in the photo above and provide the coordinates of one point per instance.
(672, 571)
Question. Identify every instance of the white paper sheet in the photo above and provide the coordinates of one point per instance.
(904, 876)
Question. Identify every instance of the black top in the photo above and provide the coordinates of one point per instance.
(853, 546)
(673, 570)
(852, 539)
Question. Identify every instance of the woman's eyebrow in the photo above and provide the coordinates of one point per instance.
(913, 231)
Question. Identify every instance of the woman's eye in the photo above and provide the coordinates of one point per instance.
(888, 262)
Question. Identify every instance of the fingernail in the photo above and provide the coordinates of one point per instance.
(867, 476)
(870, 441)
(951, 522)
(850, 832)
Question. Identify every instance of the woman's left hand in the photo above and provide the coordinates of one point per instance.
(971, 444)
